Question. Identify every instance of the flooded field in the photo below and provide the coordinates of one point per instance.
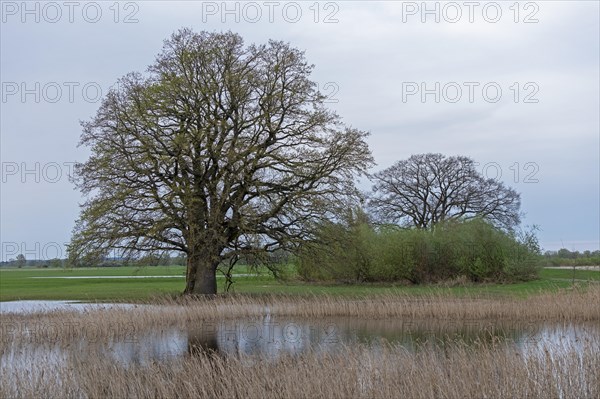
(245, 348)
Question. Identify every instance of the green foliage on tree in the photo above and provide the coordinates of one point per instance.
(222, 150)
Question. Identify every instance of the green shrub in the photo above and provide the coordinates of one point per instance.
(476, 250)
(338, 253)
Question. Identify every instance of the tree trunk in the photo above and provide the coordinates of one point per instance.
(201, 275)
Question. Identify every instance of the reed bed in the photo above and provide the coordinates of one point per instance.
(564, 306)
(67, 366)
(460, 371)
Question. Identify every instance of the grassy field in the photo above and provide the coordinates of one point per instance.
(24, 284)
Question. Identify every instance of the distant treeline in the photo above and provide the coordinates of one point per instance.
(18, 263)
(564, 257)
(153, 259)
(148, 260)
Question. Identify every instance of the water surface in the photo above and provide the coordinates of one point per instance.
(270, 337)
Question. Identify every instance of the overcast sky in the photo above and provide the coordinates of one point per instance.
(515, 87)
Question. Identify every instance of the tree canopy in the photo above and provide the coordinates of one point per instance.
(221, 149)
(426, 189)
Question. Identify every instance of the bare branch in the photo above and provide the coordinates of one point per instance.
(430, 188)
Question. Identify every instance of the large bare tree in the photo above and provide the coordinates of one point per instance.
(429, 188)
(221, 149)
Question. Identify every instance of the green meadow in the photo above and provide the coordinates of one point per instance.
(59, 284)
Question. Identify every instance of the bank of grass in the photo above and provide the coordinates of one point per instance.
(571, 273)
(50, 284)
(24, 284)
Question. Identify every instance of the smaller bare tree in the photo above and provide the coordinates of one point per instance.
(426, 189)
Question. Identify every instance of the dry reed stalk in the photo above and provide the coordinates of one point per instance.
(485, 371)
